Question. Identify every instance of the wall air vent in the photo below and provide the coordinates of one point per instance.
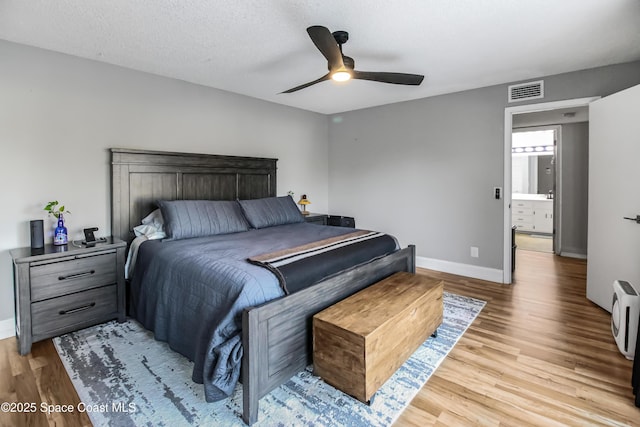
(526, 91)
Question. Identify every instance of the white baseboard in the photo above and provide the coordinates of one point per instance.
(474, 271)
(7, 328)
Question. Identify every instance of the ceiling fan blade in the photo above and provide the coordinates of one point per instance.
(326, 44)
(395, 78)
(321, 79)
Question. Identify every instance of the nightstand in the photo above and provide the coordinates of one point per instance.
(341, 221)
(316, 218)
(66, 288)
(336, 220)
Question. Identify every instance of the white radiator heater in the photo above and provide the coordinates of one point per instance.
(625, 312)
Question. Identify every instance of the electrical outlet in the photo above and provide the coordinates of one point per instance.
(475, 253)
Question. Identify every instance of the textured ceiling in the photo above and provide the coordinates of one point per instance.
(260, 48)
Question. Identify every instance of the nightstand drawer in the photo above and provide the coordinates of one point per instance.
(69, 312)
(72, 275)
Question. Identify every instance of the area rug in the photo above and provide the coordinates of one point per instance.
(124, 377)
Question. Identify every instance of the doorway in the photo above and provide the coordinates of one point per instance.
(533, 184)
(512, 114)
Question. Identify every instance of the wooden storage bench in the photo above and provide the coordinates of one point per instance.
(362, 340)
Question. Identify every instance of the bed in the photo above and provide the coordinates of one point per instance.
(275, 339)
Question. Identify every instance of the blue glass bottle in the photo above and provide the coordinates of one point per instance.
(60, 235)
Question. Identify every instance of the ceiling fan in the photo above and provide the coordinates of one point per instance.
(341, 67)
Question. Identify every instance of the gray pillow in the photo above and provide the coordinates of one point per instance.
(184, 219)
(271, 211)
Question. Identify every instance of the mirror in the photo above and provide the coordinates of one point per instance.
(532, 174)
(532, 161)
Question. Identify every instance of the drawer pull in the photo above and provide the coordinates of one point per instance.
(77, 309)
(76, 275)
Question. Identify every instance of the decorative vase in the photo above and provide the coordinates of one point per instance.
(60, 235)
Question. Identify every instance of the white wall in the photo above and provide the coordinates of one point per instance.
(424, 170)
(59, 115)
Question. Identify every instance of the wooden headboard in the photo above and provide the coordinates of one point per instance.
(139, 178)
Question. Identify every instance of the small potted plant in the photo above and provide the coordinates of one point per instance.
(60, 236)
(55, 209)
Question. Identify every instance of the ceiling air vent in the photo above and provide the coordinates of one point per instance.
(525, 91)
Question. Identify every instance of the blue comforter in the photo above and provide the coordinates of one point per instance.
(191, 294)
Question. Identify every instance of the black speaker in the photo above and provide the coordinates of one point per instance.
(37, 234)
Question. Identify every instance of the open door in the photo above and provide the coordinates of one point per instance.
(614, 193)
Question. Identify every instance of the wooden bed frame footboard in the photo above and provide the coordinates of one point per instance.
(276, 336)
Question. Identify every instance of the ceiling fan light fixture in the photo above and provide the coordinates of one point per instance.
(342, 67)
(341, 76)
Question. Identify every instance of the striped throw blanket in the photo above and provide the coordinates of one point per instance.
(300, 267)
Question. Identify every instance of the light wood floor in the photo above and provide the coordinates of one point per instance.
(538, 354)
